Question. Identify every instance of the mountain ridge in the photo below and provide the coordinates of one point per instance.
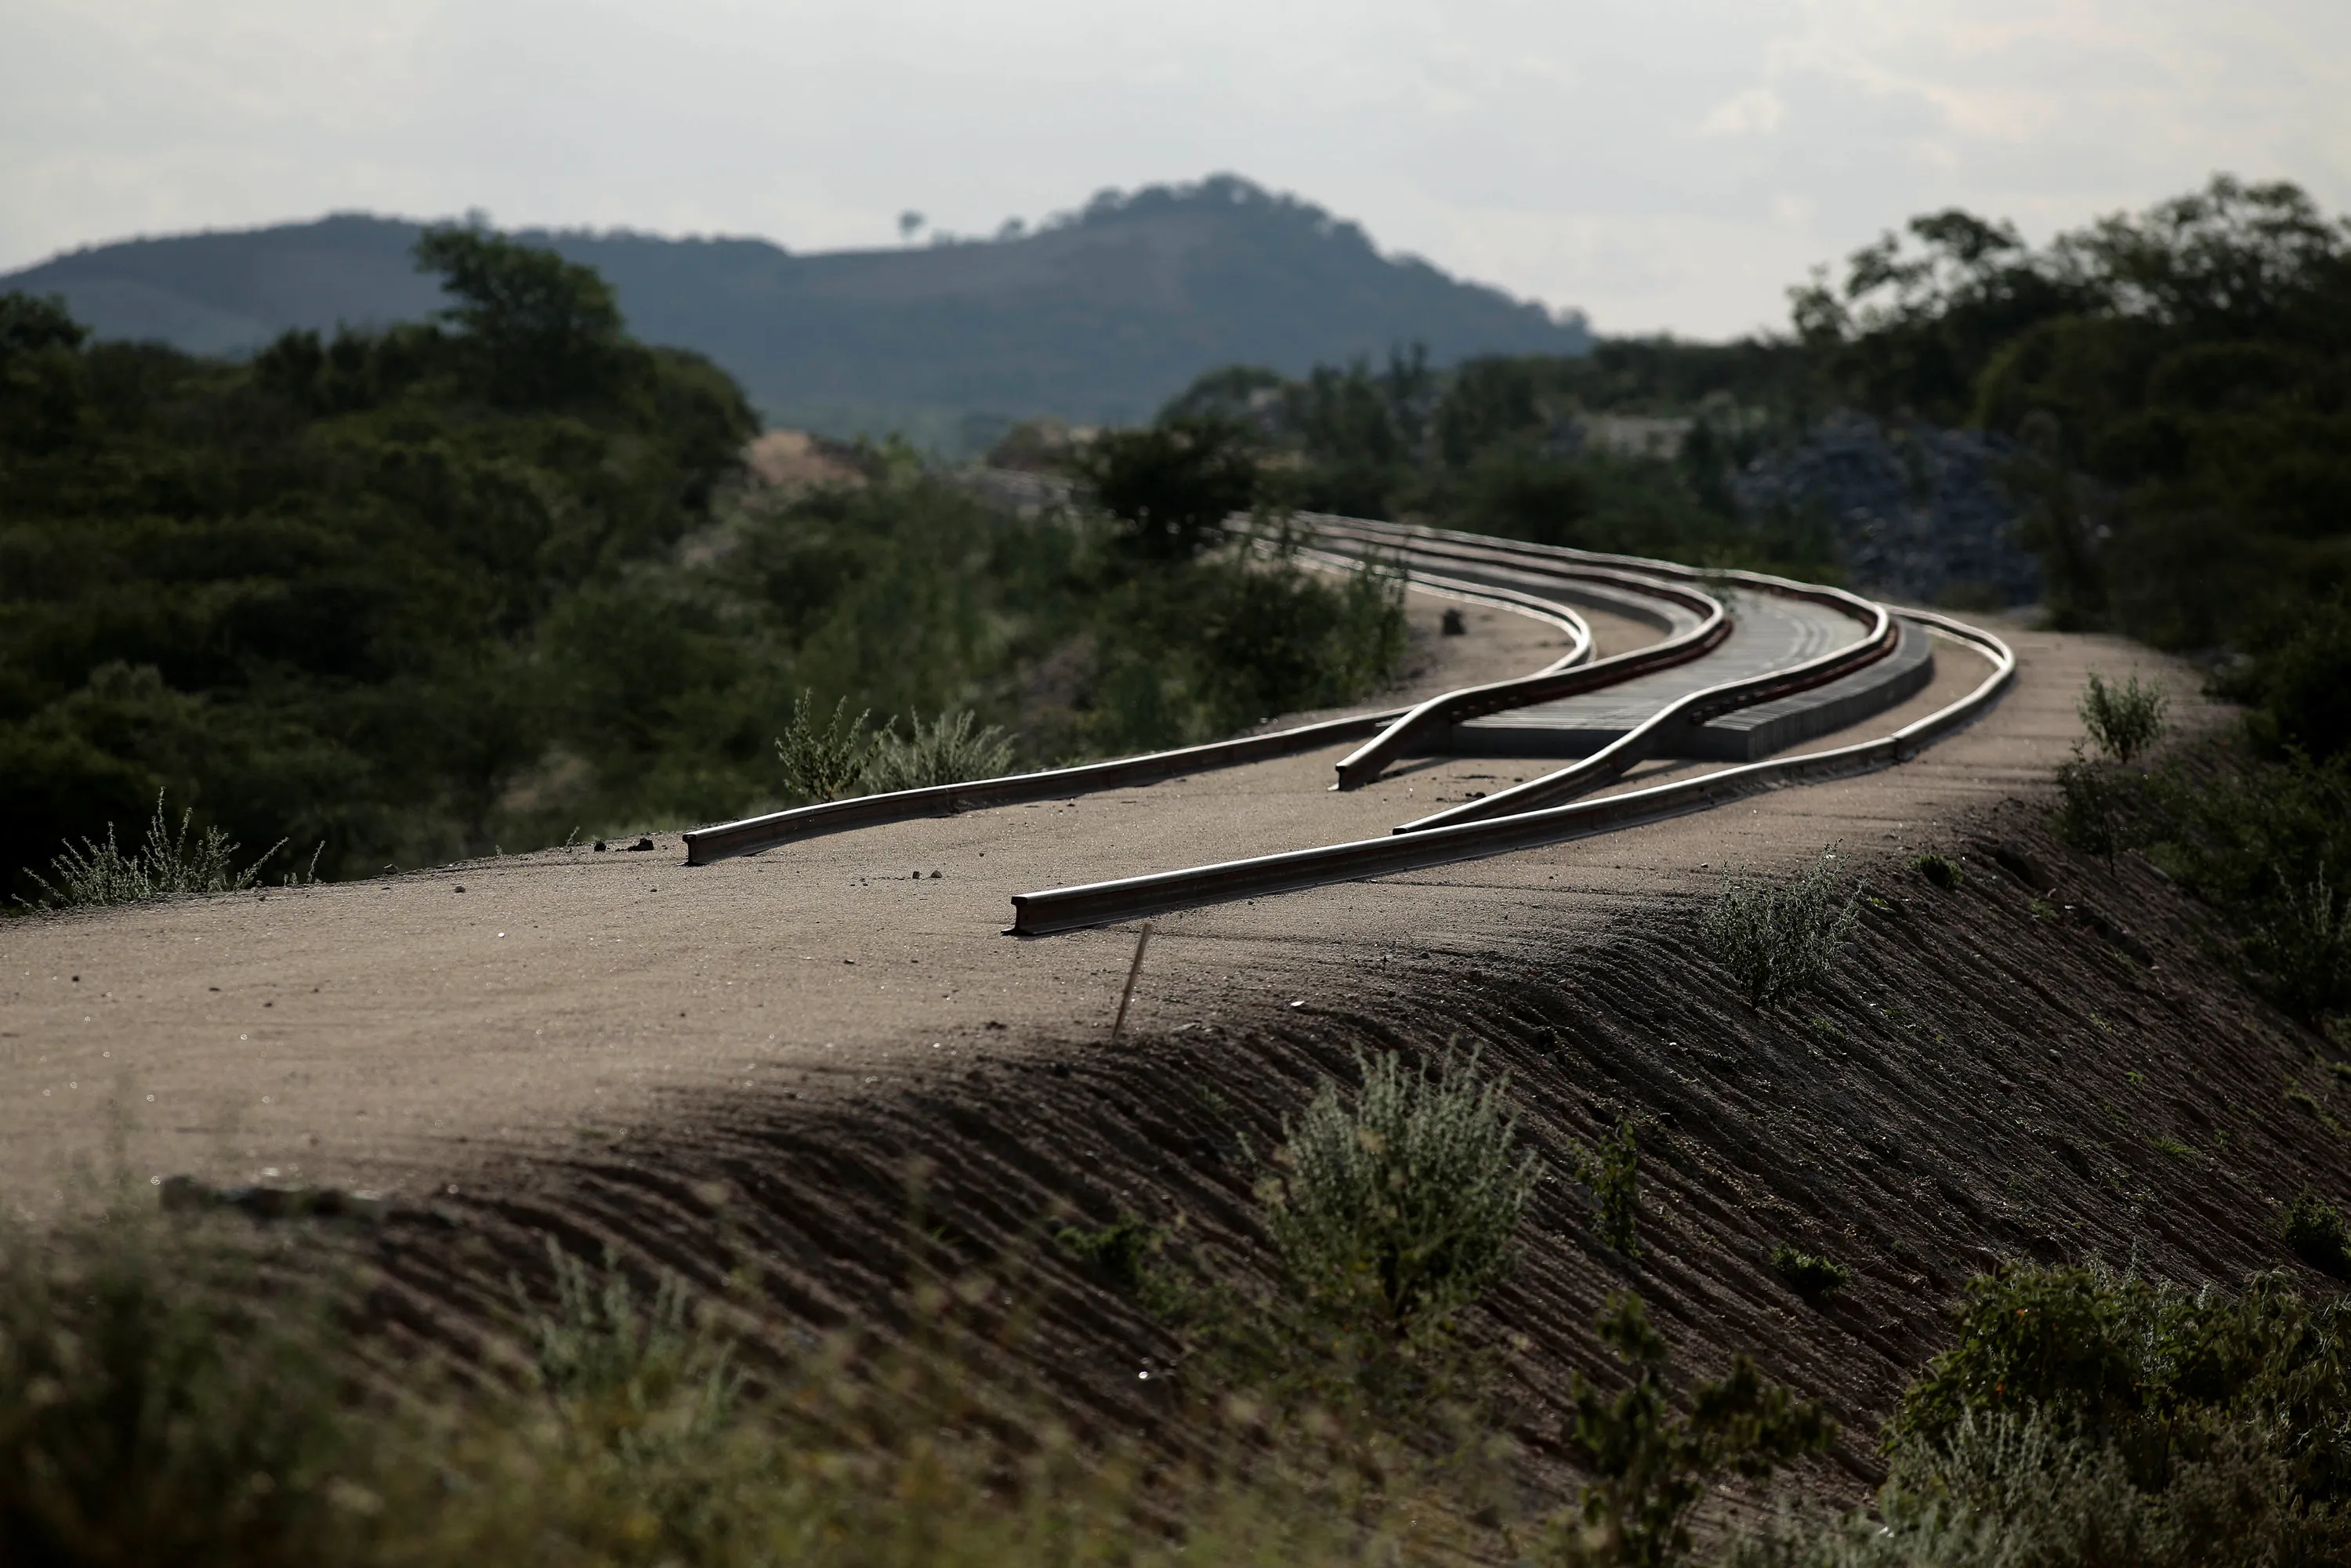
(1101, 314)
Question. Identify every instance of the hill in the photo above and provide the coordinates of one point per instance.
(1098, 315)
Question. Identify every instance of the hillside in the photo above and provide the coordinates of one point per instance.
(1101, 315)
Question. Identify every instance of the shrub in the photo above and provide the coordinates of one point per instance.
(167, 866)
(2087, 1417)
(1654, 1468)
(1941, 870)
(2090, 800)
(1778, 938)
(2299, 688)
(824, 762)
(160, 1402)
(943, 751)
(1813, 1276)
(2122, 1360)
(610, 1362)
(1395, 1206)
(2303, 942)
(2009, 1491)
(1122, 1250)
(1614, 1174)
(2313, 1228)
(2124, 721)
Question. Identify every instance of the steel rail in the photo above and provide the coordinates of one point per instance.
(1452, 544)
(723, 840)
(1366, 762)
(1095, 904)
(1664, 727)
(1661, 729)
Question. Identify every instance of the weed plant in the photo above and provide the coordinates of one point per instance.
(2314, 1230)
(947, 749)
(1808, 1273)
(824, 761)
(2264, 842)
(1942, 870)
(164, 1398)
(1121, 1251)
(2090, 1417)
(1613, 1172)
(1780, 938)
(2092, 800)
(841, 758)
(1393, 1209)
(1651, 1466)
(2301, 944)
(166, 865)
(2125, 721)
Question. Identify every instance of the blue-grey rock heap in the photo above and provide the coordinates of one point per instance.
(1921, 513)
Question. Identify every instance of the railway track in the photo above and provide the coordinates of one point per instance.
(1748, 664)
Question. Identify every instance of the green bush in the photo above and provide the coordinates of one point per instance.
(1613, 1172)
(1652, 1468)
(1779, 939)
(1395, 1206)
(2124, 721)
(2298, 687)
(945, 750)
(2093, 802)
(2313, 1228)
(1122, 1250)
(2301, 944)
(167, 866)
(1814, 1276)
(165, 1398)
(2089, 1418)
(2120, 1360)
(828, 761)
(1942, 871)
(2007, 1491)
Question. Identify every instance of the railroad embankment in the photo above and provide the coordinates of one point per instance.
(2040, 1061)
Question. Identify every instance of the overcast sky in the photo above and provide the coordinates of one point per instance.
(1660, 164)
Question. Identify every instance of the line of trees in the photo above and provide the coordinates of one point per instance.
(479, 583)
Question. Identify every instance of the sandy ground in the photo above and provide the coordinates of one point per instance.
(410, 1032)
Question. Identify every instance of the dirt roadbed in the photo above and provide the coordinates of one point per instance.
(401, 1032)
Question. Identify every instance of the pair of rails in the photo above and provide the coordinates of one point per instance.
(1885, 660)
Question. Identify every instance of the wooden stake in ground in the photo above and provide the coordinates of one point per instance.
(1142, 940)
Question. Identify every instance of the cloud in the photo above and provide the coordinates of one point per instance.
(1664, 163)
(1757, 111)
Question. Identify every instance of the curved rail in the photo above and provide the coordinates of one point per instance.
(1096, 903)
(1367, 762)
(1661, 729)
(724, 840)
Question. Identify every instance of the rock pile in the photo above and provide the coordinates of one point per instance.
(1921, 513)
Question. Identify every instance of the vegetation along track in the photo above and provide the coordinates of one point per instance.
(1750, 663)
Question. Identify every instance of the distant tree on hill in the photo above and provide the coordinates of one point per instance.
(1173, 483)
(547, 330)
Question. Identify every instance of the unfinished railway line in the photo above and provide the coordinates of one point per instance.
(1606, 728)
(730, 1050)
(1745, 665)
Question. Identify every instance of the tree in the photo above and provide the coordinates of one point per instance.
(1173, 484)
(547, 332)
(40, 374)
